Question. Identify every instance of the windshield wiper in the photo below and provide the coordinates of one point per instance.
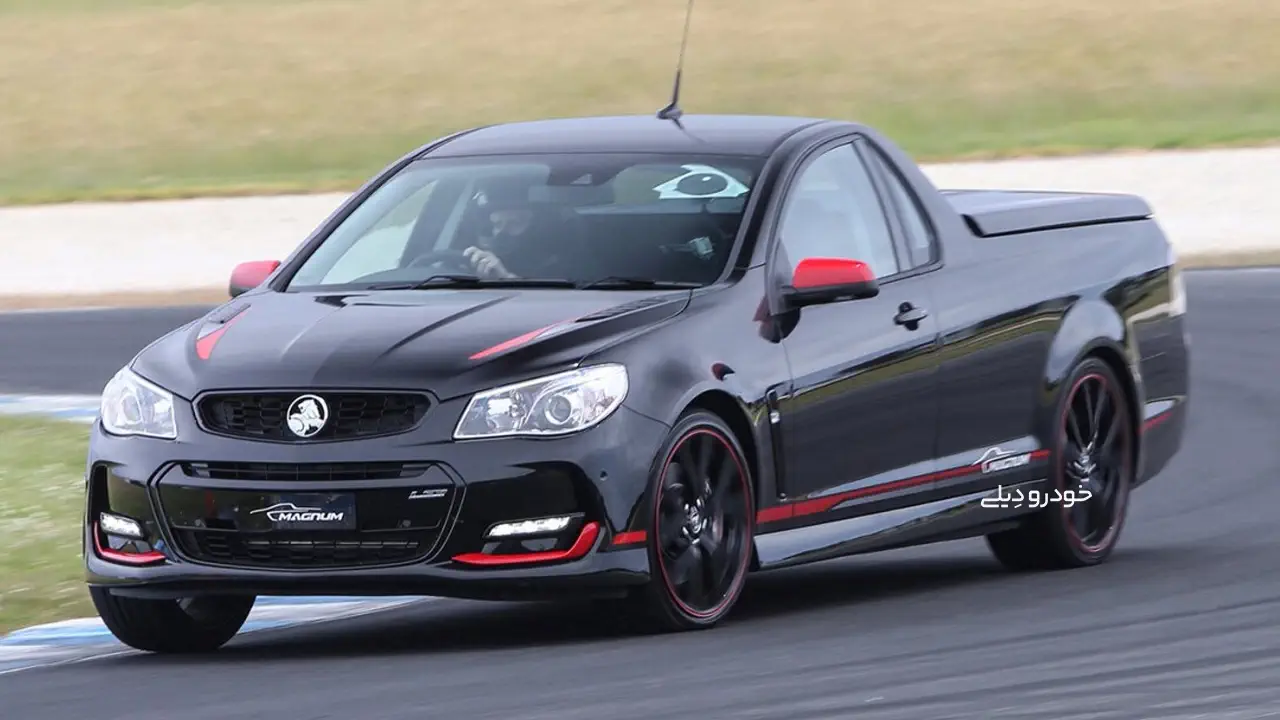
(638, 283)
(465, 280)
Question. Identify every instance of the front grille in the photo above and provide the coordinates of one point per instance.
(306, 472)
(304, 550)
(264, 416)
(232, 525)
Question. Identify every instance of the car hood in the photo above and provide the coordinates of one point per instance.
(448, 342)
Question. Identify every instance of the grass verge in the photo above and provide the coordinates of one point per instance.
(171, 98)
(41, 568)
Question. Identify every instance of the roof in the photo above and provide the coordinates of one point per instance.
(711, 134)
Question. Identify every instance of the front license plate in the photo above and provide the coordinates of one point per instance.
(312, 511)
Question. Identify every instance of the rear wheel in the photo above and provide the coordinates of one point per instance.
(703, 518)
(1093, 452)
(190, 625)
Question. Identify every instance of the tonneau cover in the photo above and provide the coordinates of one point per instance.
(1007, 212)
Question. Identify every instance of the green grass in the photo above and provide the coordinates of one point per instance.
(42, 477)
(162, 98)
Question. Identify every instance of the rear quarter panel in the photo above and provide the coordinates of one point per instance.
(1020, 312)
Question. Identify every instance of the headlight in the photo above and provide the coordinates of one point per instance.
(553, 405)
(133, 406)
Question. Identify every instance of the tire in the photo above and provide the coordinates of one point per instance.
(192, 625)
(712, 546)
(1061, 536)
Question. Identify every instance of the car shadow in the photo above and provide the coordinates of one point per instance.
(441, 627)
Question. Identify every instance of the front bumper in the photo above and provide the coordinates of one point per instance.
(422, 509)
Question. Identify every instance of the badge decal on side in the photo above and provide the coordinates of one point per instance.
(995, 460)
(428, 494)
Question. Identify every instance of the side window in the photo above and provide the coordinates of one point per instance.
(834, 211)
(915, 226)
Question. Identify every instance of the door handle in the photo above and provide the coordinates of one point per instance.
(910, 316)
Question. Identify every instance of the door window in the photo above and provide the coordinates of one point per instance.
(914, 222)
(833, 211)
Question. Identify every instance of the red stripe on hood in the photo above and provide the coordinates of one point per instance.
(206, 343)
(515, 342)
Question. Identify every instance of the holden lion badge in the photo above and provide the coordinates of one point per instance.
(307, 415)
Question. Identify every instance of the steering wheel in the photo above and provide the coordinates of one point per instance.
(446, 260)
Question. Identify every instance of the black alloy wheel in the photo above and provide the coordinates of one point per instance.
(1096, 459)
(1093, 463)
(702, 528)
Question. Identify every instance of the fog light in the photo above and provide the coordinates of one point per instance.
(540, 526)
(116, 525)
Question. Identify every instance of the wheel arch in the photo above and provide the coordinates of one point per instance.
(734, 414)
(1094, 329)
(1116, 361)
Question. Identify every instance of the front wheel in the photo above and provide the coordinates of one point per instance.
(190, 625)
(1093, 452)
(701, 526)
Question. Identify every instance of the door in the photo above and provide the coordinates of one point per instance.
(861, 410)
(994, 347)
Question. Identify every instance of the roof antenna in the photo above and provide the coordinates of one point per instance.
(673, 112)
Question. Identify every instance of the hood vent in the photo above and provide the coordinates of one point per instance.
(624, 308)
(219, 316)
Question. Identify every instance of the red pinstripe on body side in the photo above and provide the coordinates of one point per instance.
(801, 508)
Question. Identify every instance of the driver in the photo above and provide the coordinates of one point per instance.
(524, 243)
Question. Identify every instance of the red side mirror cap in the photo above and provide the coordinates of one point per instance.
(822, 280)
(249, 275)
(822, 272)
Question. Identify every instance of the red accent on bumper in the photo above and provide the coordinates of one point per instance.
(634, 537)
(581, 546)
(124, 558)
(1155, 420)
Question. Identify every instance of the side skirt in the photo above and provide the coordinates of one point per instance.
(945, 519)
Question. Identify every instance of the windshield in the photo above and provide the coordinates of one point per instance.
(580, 219)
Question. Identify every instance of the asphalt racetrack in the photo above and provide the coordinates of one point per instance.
(1184, 622)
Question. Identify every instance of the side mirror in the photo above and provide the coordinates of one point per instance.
(247, 276)
(824, 280)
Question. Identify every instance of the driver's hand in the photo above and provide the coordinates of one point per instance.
(487, 264)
